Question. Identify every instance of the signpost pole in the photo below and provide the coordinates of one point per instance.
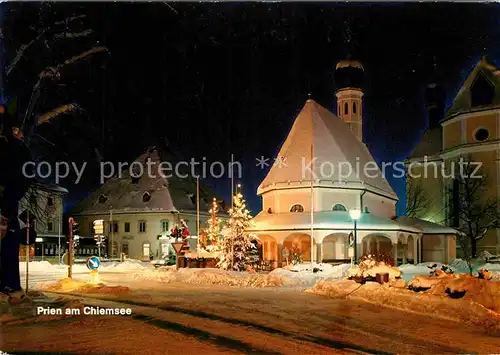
(27, 247)
(70, 248)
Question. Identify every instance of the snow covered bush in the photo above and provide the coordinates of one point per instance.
(372, 264)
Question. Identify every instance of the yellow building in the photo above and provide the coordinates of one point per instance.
(470, 130)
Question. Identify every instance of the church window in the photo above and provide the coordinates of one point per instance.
(353, 107)
(481, 134)
(481, 92)
(297, 208)
(146, 197)
(339, 207)
(103, 199)
(346, 108)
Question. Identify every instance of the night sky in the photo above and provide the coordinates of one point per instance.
(216, 79)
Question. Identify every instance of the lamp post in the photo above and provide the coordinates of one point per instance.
(355, 214)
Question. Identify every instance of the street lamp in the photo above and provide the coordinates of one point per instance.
(355, 214)
(40, 240)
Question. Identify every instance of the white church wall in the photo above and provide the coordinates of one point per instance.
(379, 205)
(330, 197)
(284, 199)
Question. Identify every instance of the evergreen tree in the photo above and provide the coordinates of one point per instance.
(214, 225)
(237, 245)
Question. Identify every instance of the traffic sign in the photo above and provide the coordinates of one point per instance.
(65, 258)
(178, 246)
(93, 263)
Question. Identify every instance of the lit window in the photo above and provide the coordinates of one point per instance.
(146, 249)
(339, 207)
(297, 208)
(142, 226)
(481, 134)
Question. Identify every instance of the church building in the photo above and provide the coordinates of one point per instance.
(326, 172)
(469, 130)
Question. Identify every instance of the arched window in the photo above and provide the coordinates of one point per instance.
(103, 199)
(146, 197)
(481, 92)
(297, 208)
(346, 108)
(353, 107)
(339, 207)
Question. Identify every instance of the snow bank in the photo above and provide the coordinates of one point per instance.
(463, 310)
(71, 285)
(276, 278)
(210, 276)
(126, 265)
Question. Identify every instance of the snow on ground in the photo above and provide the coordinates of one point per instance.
(297, 275)
(71, 285)
(457, 265)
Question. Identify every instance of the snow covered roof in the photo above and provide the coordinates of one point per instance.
(335, 220)
(337, 152)
(48, 186)
(425, 226)
(462, 102)
(150, 192)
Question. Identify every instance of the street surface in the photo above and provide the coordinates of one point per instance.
(179, 318)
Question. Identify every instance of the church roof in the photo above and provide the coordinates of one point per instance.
(429, 145)
(150, 192)
(425, 226)
(337, 152)
(462, 102)
(335, 220)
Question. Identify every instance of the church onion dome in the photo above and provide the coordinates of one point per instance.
(346, 63)
(349, 73)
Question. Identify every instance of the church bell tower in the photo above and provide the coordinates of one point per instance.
(349, 77)
(349, 82)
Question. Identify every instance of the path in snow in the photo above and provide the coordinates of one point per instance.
(244, 320)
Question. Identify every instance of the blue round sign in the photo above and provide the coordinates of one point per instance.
(93, 263)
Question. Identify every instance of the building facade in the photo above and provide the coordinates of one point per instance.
(139, 210)
(469, 130)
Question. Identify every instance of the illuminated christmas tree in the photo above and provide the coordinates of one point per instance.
(214, 225)
(237, 246)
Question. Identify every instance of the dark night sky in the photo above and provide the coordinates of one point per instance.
(216, 79)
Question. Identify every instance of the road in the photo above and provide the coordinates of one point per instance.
(178, 318)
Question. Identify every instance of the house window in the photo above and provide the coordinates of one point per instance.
(297, 208)
(481, 134)
(127, 227)
(481, 92)
(113, 227)
(146, 249)
(346, 108)
(103, 199)
(353, 107)
(50, 201)
(338, 208)
(142, 226)
(146, 197)
(164, 225)
(50, 226)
